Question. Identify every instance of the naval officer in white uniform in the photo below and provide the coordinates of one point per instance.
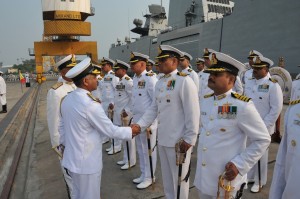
(108, 87)
(267, 98)
(184, 64)
(122, 110)
(142, 97)
(228, 119)
(176, 108)
(54, 97)
(149, 66)
(3, 94)
(82, 122)
(203, 81)
(286, 174)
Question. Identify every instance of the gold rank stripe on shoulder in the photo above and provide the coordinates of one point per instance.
(93, 98)
(209, 95)
(127, 78)
(241, 97)
(273, 80)
(181, 74)
(190, 70)
(150, 74)
(57, 85)
(112, 73)
(295, 102)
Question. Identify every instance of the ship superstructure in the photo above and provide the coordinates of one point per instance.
(234, 28)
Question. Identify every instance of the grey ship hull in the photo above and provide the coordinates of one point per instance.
(270, 26)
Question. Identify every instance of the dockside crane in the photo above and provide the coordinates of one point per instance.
(64, 23)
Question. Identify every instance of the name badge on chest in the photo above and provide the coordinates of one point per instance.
(141, 84)
(171, 84)
(107, 79)
(227, 112)
(120, 87)
(263, 88)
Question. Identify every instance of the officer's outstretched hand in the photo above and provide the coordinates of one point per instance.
(230, 171)
(136, 129)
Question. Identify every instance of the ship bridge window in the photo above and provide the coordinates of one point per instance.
(209, 8)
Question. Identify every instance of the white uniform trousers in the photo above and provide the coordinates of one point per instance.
(169, 171)
(204, 196)
(142, 149)
(86, 186)
(68, 180)
(132, 151)
(263, 169)
(3, 99)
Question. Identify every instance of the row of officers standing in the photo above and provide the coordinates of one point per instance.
(167, 112)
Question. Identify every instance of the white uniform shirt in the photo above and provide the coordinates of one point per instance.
(123, 95)
(82, 124)
(176, 107)
(159, 76)
(248, 75)
(203, 88)
(238, 86)
(295, 92)
(226, 124)
(108, 87)
(2, 86)
(54, 97)
(286, 176)
(192, 74)
(267, 98)
(142, 94)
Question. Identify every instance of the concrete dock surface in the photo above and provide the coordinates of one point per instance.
(39, 174)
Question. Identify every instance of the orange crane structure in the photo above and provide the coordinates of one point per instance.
(64, 23)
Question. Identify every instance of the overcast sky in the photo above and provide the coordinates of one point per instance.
(22, 24)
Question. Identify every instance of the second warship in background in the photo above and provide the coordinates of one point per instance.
(269, 26)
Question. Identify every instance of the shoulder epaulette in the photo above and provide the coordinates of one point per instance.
(127, 78)
(209, 95)
(273, 80)
(100, 78)
(190, 70)
(241, 97)
(181, 74)
(93, 98)
(112, 73)
(294, 102)
(150, 74)
(57, 85)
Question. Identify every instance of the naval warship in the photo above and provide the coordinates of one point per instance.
(233, 27)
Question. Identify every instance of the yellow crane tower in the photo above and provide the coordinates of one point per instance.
(64, 23)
